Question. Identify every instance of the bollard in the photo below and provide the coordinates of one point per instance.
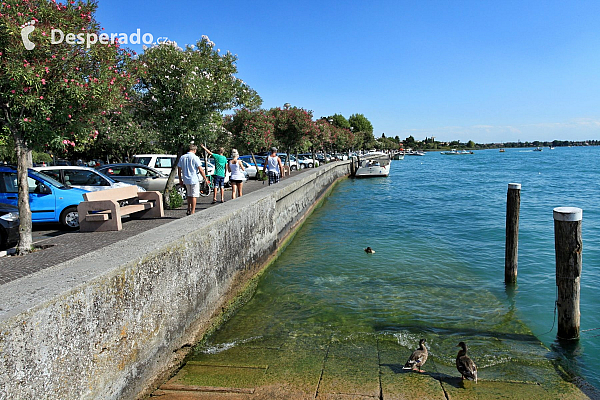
(568, 246)
(511, 253)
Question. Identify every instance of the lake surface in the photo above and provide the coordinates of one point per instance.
(437, 224)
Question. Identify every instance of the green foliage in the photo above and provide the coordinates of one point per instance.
(40, 157)
(339, 120)
(175, 199)
(182, 89)
(52, 94)
(471, 144)
(360, 123)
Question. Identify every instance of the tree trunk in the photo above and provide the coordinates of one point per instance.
(23, 158)
(258, 172)
(172, 175)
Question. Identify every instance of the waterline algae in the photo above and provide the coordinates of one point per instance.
(328, 318)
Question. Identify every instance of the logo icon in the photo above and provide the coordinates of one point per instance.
(26, 29)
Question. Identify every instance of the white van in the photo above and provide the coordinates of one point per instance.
(164, 163)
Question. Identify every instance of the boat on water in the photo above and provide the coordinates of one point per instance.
(415, 153)
(373, 165)
(538, 149)
(398, 156)
(455, 152)
(502, 150)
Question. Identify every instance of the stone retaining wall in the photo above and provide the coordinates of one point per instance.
(105, 325)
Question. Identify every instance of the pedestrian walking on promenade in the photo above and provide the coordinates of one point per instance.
(236, 168)
(219, 174)
(273, 166)
(187, 169)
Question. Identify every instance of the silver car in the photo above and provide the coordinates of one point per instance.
(82, 177)
(136, 174)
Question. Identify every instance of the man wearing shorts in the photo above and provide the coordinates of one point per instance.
(273, 167)
(219, 174)
(189, 166)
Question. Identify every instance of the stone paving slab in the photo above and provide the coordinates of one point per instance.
(351, 367)
(398, 383)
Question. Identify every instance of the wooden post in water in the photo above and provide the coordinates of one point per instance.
(511, 253)
(568, 246)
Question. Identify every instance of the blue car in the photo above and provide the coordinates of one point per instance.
(49, 200)
(260, 160)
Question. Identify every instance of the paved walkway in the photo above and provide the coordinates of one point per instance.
(69, 245)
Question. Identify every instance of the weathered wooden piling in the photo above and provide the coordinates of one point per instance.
(511, 253)
(568, 246)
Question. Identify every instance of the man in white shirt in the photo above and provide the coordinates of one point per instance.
(189, 165)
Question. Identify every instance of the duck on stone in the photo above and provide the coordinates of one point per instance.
(464, 365)
(369, 250)
(417, 358)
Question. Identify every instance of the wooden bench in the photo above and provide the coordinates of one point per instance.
(101, 211)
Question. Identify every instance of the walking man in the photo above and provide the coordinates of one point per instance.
(189, 165)
(273, 166)
(219, 174)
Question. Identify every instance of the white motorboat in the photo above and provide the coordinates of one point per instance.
(375, 165)
(455, 152)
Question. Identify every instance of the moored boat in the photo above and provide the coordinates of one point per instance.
(375, 165)
(455, 152)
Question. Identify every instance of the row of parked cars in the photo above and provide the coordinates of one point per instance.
(55, 191)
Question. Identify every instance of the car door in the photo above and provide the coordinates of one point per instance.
(42, 204)
(142, 178)
(154, 180)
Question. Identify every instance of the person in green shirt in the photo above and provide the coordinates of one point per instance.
(219, 174)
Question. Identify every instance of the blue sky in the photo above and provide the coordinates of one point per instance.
(490, 71)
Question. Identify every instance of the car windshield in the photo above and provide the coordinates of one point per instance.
(142, 160)
(46, 178)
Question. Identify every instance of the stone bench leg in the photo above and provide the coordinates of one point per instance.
(157, 211)
(112, 224)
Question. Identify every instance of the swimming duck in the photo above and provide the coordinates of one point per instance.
(369, 250)
(417, 358)
(464, 365)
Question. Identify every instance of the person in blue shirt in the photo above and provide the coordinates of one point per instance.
(187, 169)
(219, 174)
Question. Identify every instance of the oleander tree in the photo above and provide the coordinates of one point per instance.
(183, 90)
(294, 127)
(252, 130)
(52, 95)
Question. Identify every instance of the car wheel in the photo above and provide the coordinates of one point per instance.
(182, 191)
(310, 165)
(302, 166)
(293, 168)
(69, 218)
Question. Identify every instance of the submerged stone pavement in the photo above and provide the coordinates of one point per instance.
(368, 366)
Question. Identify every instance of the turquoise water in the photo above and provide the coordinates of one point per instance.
(437, 226)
